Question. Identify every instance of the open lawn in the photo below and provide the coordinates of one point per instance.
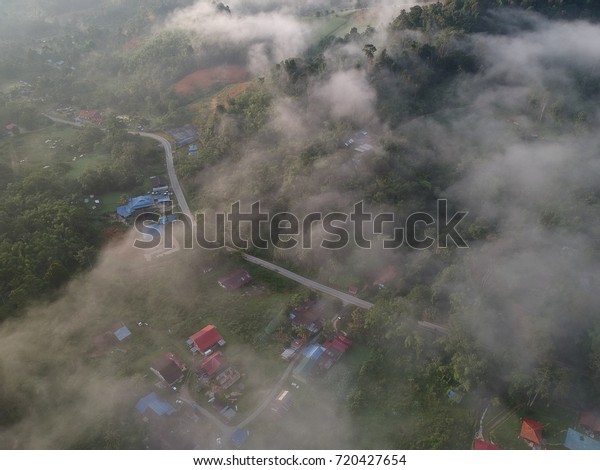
(503, 425)
(109, 202)
(48, 146)
(338, 24)
(89, 161)
(556, 419)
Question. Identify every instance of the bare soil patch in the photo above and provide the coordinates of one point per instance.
(205, 79)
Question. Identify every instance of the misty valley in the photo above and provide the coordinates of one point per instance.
(326, 224)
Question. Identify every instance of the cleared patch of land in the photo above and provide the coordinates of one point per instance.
(205, 79)
(48, 146)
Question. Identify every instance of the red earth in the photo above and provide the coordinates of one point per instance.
(205, 79)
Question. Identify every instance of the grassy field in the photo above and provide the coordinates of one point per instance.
(90, 161)
(48, 146)
(109, 202)
(504, 425)
(337, 24)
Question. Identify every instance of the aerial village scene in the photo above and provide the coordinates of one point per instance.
(428, 275)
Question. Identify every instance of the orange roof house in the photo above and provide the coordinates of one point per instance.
(531, 431)
(90, 115)
(480, 444)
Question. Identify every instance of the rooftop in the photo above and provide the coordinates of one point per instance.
(480, 444)
(239, 437)
(122, 332)
(590, 420)
(183, 135)
(152, 402)
(141, 202)
(159, 182)
(212, 364)
(309, 314)
(531, 431)
(135, 204)
(235, 280)
(206, 338)
(168, 369)
(578, 441)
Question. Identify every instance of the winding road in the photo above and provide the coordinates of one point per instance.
(183, 205)
(178, 191)
(347, 299)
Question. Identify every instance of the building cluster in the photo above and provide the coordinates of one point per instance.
(584, 436)
(213, 372)
(313, 358)
(157, 201)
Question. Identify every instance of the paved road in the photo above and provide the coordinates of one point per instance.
(346, 298)
(225, 429)
(272, 394)
(183, 205)
(168, 156)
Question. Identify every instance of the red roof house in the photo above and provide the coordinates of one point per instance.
(334, 350)
(235, 280)
(212, 364)
(590, 420)
(90, 115)
(480, 444)
(341, 343)
(204, 340)
(531, 431)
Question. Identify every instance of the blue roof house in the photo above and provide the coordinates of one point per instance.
(135, 204)
(239, 437)
(577, 441)
(152, 403)
(122, 333)
(139, 203)
(304, 369)
(313, 351)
